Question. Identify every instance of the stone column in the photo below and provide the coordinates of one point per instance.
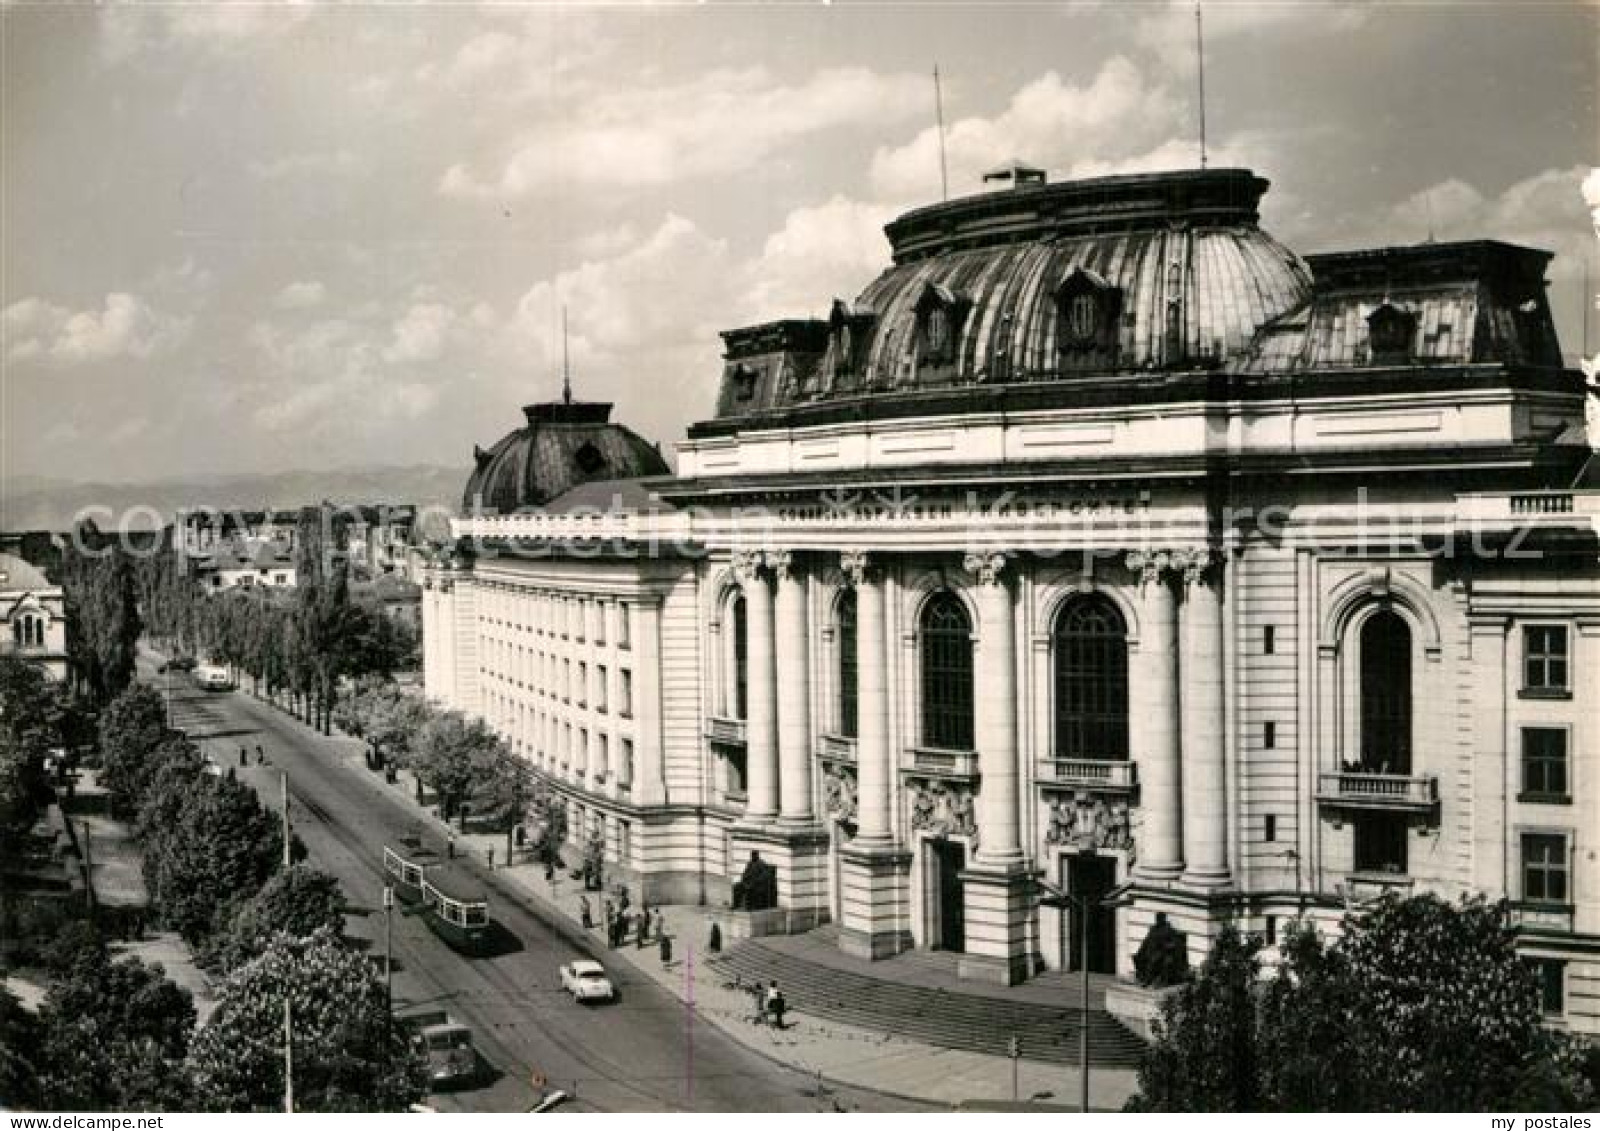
(1205, 779)
(995, 715)
(649, 748)
(761, 727)
(794, 692)
(1154, 710)
(873, 868)
(874, 767)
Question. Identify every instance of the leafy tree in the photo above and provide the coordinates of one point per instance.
(101, 598)
(31, 711)
(19, 1041)
(1448, 1018)
(115, 1038)
(131, 728)
(1419, 1005)
(347, 1054)
(298, 901)
(449, 754)
(209, 845)
(1204, 1054)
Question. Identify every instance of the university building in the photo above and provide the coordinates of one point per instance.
(1102, 544)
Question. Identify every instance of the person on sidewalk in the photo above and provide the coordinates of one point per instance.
(584, 913)
(261, 755)
(643, 921)
(244, 757)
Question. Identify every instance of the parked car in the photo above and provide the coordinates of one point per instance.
(213, 678)
(586, 980)
(183, 663)
(447, 1044)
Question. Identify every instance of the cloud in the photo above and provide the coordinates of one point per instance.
(126, 326)
(322, 164)
(1546, 211)
(129, 30)
(1169, 34)
(820, 252)
(301, 295)
(722, 122)
(1049, 122)
(420, 333)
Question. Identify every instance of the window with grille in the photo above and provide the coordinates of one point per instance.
(1544, 658)
(1381, 844)
(849, 703)
(1091, 662)
(1386, 694)
(1544, 868)
(1544, 764)
(1551, 976)
(946, 673)
(741, 660)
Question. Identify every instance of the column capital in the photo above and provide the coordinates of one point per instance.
(781, 563)
(748, 564)
(1149, 565)
(1196, 564)
(986, 566)
(854, 564)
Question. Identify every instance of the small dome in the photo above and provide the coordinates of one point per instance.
(565, 444)
(18, 576)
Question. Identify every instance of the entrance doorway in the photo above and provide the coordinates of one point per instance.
(947, 902)
(1091, 878)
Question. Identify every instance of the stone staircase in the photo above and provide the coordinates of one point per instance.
(933, 1015)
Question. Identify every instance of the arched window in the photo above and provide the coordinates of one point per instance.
(848, 694)
(1091, 669)
(1386, 694)
(946, 673)
(741, 659)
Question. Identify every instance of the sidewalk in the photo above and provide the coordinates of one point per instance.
(838, 1053)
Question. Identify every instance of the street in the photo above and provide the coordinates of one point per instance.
(643, 1052)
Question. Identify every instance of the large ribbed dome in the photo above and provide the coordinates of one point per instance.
(565, 445)
(1037, 283)
(1183, 274)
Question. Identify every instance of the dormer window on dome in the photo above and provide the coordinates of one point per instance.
(1390, 333)
(1087, 311)
(589, 458)
(939, 313)
(848, 329)
(744, 378)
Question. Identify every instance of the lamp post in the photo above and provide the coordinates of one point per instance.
(1053, 896)
(388, 946)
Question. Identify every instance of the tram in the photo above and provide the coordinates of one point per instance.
(450, 901)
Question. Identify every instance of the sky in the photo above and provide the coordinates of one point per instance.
(241, 238)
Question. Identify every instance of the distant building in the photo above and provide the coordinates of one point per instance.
(229, 549)
(240, 564)
(33, 619)
(1102, 541)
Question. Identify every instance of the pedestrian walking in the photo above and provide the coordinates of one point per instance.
(643, 921)
(584, 912)
(244, 757)
(261, 755)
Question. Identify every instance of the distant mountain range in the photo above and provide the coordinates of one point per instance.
(29, 502)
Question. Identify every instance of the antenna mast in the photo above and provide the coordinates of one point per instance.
(938, 112)
(1200, 57)
(566, 368)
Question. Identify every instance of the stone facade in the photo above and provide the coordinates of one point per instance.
(1231, 638)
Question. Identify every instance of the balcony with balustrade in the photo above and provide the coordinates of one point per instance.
(725, 731)
(1104, 775)
(936, 762)
(1386, 792)
(836, 749)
